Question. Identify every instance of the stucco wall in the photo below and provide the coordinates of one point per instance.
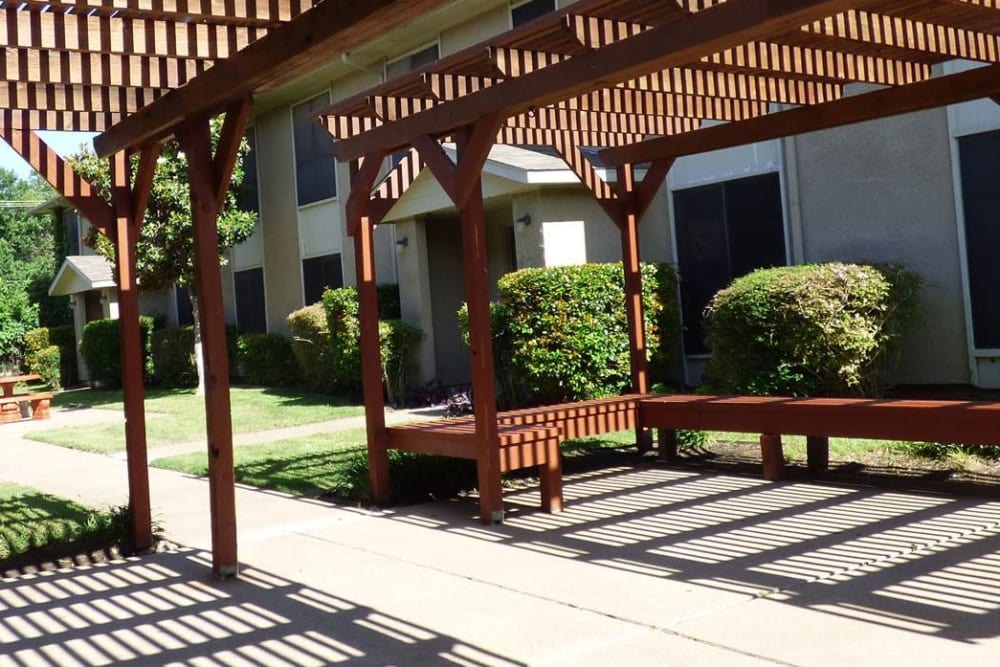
(278, 216)
(884, 191)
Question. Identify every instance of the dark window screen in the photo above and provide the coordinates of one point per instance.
(529, 11)
(980, 163)
(185, 313)
(71, 223)
(724, 231)
(250, 314)
(315, 174)
(320, 273)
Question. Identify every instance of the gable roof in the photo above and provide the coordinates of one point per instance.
(82, 273)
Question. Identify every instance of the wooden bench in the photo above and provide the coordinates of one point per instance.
(10, 406)
(520, 447)
(968, 422)
(528, 436)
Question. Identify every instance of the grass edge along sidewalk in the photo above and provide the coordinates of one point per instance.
(178, 415)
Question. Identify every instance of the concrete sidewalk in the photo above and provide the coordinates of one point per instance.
(650, 565)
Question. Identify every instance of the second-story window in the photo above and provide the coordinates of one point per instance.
(522, 12)
(315, 173)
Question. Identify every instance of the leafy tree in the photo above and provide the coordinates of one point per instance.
(27, 261)
(165, 250)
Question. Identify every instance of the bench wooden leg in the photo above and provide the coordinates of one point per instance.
(10, 412)
(643, 439)
(40, 409)
(667, 444)
(818, 453)
(773, 457)
(550, 476)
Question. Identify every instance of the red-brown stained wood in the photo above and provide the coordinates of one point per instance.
(126, 235)
(772, 456)
(196, 142)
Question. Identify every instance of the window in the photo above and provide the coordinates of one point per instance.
(724, 231)
(71, 223)
(319, 274)
(251, 317)
(185, 313)
(979, 157)
(411, 62)
(529, 11)
(315, 174)
(247, 198)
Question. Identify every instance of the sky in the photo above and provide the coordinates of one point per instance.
(63, 143)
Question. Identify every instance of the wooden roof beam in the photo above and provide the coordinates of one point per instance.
(634, 100)
(903, 33)
(261, 13)
(330, 28)
(784, 59)
(736, 86)
(938, 92)
(45, 66)
(60, 121)
(548, 118)
(128, 36)
(60, 97)
(670, 45)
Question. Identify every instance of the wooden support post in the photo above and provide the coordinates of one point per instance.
(773, 457)
(126, 235)
(473, 147)
(361, 225)
(204, 182)
(817, 453)
(477, 295)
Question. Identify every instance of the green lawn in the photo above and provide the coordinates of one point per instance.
(177, 415)
(32, 522)
(313, 465)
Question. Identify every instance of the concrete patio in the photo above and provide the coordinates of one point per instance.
(650, 565)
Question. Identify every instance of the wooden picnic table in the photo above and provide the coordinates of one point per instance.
(8, 382)
(10, 401)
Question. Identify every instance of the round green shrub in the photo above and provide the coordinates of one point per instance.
(810, 330)
(266, 359)
(174, 363)
(311, 347)
(560, 333)
(36, 340)
(101, 350)
(396, 341)
(46, 364)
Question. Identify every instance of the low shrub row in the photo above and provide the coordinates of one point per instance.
(101, 348)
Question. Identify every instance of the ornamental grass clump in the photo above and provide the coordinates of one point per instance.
(811, 330)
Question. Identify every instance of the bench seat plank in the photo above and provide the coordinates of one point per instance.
(969, 422)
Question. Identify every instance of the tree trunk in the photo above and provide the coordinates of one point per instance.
(199, 353)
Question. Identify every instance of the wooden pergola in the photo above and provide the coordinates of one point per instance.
(637, 80)
(631, 77)
(87, 65)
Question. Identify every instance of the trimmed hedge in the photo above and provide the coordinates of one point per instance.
(266, 359)
(65, 339)
(560, 334)
(173, 357)
(816, 329)
(311, 347)
(101, 350)
(396, 339)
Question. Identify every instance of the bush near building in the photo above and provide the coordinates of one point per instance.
(173, 357)
(817, 329)
(327, 345)
(560, 333)
(266, 359)
(42, 358)
(64, 338)
(101, 348)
